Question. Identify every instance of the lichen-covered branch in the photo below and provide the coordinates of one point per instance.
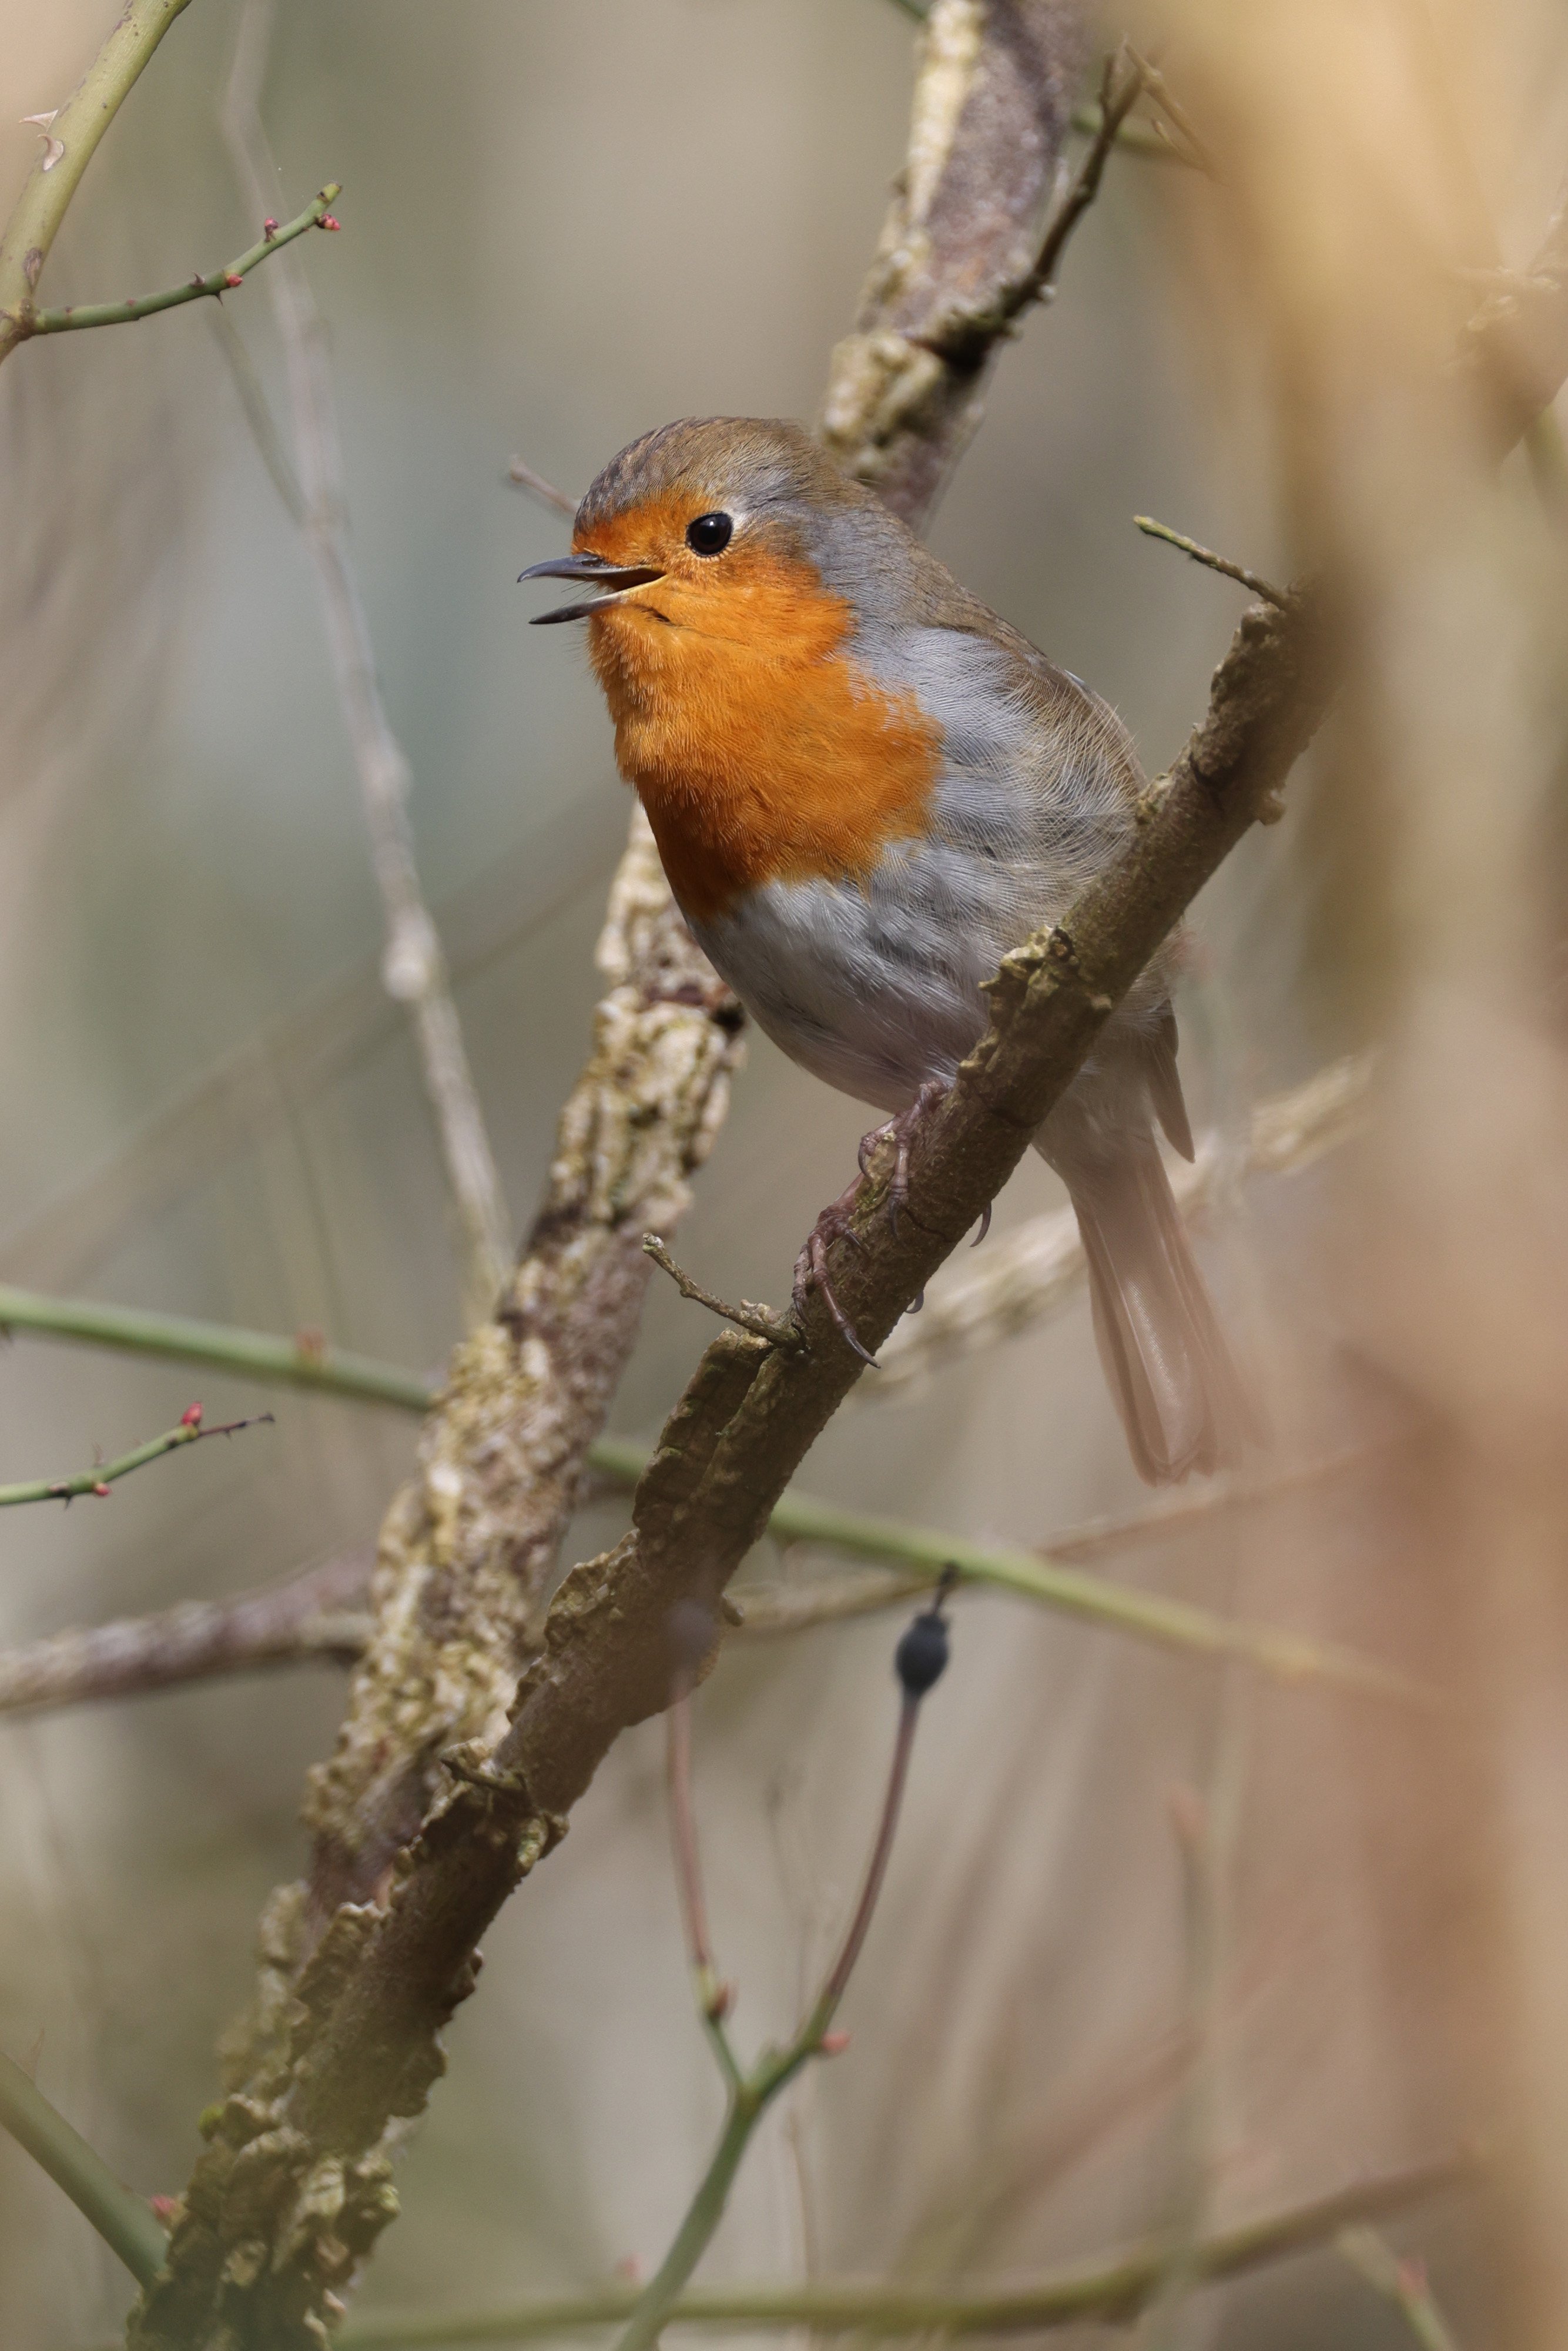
(993, 108)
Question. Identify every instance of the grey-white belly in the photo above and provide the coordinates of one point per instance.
(873, 989)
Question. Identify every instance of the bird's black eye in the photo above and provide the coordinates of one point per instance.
(710, 534)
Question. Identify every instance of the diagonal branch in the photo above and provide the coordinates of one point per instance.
(103, 1475)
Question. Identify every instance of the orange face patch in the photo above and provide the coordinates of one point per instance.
(760, 750)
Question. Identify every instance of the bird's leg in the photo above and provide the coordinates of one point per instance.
(811, 1266)
(900, 1127)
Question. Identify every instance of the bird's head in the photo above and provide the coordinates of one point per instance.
(736, 532)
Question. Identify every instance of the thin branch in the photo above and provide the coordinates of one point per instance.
(796, 1517)
(304, 1362)
(1149, 140)
(70, 137)
(313, 1616)
(317, 213)
(714, 1997)
(759, 1319)
(413, 967)
(1030, 1273)
(98, 1479)
(1114, 2287)
(1122, 83)
(922, 1657)
(1260, 586)
(1403, 2283)
(128, 2225)
(523, 477)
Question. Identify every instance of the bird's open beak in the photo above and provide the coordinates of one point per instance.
(612, 579)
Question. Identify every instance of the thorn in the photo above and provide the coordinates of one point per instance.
(192, 1417)
(985, 1225)
(833, 2044)
(41, 121)
(232, 277)
(53, 150)
(269, 229)
(198, 281)
(100, 1487)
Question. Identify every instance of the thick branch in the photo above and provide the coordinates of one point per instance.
(993, 108)
(70, 136)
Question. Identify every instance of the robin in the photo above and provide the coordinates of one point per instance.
(865, 788)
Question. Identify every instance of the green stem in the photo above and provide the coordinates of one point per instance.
(70, 141)
(798, 1518)
(98, 1481)
(1404, 2283)
(748, 2103)
(1116, 2287)
(126, 2223)
(247, 1354)
(316, 215)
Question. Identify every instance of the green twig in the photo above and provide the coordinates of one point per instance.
(127, 2224)
(1200, 554)
(71, 135)
(99, 1479)
(307, 1363)
(922, 1657)
(1115, 2288)
(1404, 2282)
(317, 213)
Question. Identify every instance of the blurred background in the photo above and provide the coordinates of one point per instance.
(561, 225)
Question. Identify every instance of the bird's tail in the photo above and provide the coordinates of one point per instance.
(1175, 1387)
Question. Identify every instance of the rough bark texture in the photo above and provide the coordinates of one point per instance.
(469, 1546)
(992, 109)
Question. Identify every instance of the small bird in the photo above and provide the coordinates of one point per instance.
(865, 786)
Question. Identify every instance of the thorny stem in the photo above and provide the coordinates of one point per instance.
(69, 141)
(752, 2093)
(1200, 554)
(127, 2224)
(99, 1479)
(413, 967)
(317, 215)
(796, 1517)
(1114, 2288)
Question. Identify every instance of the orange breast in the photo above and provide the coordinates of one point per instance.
(760, 750)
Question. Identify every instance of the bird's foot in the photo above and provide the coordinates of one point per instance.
(811, 1266)
(900, 1130)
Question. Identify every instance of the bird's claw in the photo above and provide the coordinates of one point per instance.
(811, 1270)
(900, 1128)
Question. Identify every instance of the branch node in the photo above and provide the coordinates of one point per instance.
(747, 1316)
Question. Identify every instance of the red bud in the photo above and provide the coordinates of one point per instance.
(328, 221)
(100, 1487)
(232, 277)
(269, 228)
(833, 2044)
(192, 1417)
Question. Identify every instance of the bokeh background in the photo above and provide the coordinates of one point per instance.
(563, 225)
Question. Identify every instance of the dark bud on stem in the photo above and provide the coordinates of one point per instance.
(920, 1660)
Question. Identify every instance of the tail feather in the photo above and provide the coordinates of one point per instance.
(1165, 1360)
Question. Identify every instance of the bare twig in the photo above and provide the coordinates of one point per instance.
(413, 967)
(317, 213)
(523, 477)
(1018, 1281)
(70, 138)
(1122, 83)
(318, 1614)
(103, 1475)
(759, 1319)
(1113, 2288)
(1200, 554)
